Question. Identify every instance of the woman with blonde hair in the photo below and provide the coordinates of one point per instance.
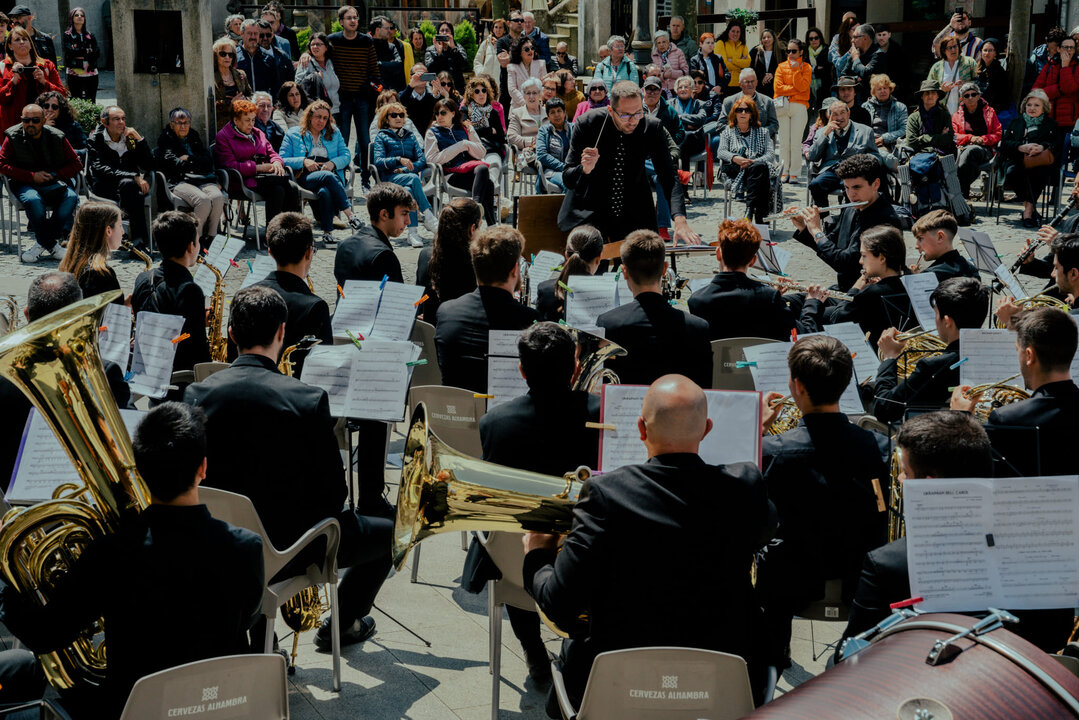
(1027, 147)
(489, 124)
(399, 159)
(230, 82)
(97, 232)
(889, 116)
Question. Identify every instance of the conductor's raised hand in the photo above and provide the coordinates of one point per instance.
(589, 158)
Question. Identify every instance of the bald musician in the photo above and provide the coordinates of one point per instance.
(659, 553)
(943, 444)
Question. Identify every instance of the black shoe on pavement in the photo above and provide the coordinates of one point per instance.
(359, 631)
(539, 665)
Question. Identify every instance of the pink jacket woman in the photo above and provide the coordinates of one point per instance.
(233, 150)
(676, 66)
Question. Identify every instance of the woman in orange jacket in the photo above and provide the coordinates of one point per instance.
(792, 84)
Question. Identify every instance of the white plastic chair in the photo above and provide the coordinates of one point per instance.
(238, 510)
(252, 687)
(423, 334)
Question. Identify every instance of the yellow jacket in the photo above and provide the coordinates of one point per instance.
(793, 82)
(735, 57)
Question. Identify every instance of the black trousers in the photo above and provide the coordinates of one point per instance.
(132, 203)
(83, 86)
(756, 184)
(483, 190)
(279, 194)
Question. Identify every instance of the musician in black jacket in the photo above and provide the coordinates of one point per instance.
(659, 339)
(694, 526)
(825, 477)
(368, 255)
(957, 303)
(464, 324)
(934, 236)
(549, 416)
(169, 288)
(837, 241)
(734, 304)
(119, 166)
(1063, 264)
(1046, 340)
(939, 445)
(606, 180)
(251, 405)
(173, 585)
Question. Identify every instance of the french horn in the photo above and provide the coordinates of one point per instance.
(1036, 301)
(920, 344)
(994, 395)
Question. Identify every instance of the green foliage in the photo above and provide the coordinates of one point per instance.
(335, 27)
(464, 34)
(429, 31)
(87, 113)
(748, 17)
(303, 38)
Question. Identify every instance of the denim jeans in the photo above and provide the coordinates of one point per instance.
(331, 196)
(414, 184)
(555, 179)
(37, 199)
(357, 109)
(663, 210)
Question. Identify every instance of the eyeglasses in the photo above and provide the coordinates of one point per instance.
(552, 88)
(950, 47)
(181, 121)
(1067, 47)
(483, 91)
(971, 95)
(225, 53)
(516, 20)
(526, 48)
(51, 106)
(395, 115)
(599, 90)
(561, 54)
(31, 120)
(814, 37)
(631, 116)
(743, 110)
(444, 112)
(265, 36)
(444, 84)
(793, 51)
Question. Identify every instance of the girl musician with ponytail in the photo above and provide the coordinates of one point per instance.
(445, 269)
(98, 231)
(583, 249)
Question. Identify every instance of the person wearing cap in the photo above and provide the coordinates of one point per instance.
(846, 89)
(951, 71)
(977, 132)
(929, 127)
(841, 138)
(24, 16)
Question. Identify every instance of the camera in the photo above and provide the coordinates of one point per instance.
(442, 38)
(960, 11)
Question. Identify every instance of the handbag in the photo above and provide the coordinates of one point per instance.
(1045, 157)
(780, 102)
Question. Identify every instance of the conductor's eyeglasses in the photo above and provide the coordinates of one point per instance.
(631, 116)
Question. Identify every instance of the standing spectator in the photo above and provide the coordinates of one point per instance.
(457, 148)
(273, 18)
(264, 119)
(977, 132)
(443, 87)
(283, 30)
(25, 76)
(951, 71)
(839, 49)
(794, 79)
(596, 98)
(119, 166)
(711, 65)
(1042, 54)
(749, 158)
(888, 115)
(259, 67)
(1027, 139)
(539, 38)
(234, 29)
(445, 55)
(764, 60)
(356, 65)
(731, 49)
(188, 167)
(39, 161)
(516, 31)
(816, 54)
(415, 49)
(568, 92)
(486, 60)
(391, 59)
(552, 144)
(291, 102)
(399, 159)
(321, 66)
(867, 59)
(679, 37)
(893, 59)
(992, 79)
(80, 57)
(58, 114)
(617, 66)
(523, 65)
(21, 15)
(418, 100)
(1060, 81)
(280, 58)
(670, 59)
(98, 231)
(230, 82)
(959, 28)
(565, 61)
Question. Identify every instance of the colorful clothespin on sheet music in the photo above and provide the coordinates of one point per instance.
(354, 339)
(600, 426)
(771, 242)
(565, 287)
(484, 396)
(853, 355)
(103, 328)
(956, 364)
(794, 335)
(340, 292)
(250, 267)
(617, 273)
(556, 268)
(414, 363)
(1000, 256)
(233, 263)
(128, 375)
(745, 364)
(562, 322)
(421, 301)
(180, 338)
(533, 260)
(382, 285)
(911, 602)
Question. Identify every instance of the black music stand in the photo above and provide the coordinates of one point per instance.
(1016, 450)
(767, 260)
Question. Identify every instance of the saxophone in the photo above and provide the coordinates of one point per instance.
(286, 366)
(137, 253)
(216, 340)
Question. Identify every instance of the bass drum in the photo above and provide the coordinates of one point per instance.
(998, 675)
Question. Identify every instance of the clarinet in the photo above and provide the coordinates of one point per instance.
(1033, 247)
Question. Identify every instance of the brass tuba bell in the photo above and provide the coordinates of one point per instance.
(55, 362)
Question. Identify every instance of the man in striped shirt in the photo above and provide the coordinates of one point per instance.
(356, 64)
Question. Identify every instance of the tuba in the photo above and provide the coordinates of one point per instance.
(54, 361)
(994, 395)
(215, 318)
(920, 345)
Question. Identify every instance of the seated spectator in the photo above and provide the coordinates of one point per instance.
(701, 91)
(1060, 81)
(447, 55)
(716, 75)
(58, 114)
(839, 139)
(385, 98)
(264, 119)
(23, 76)
(977, 132)
(457, 148)
(1030, 136)
(552, 144)
(951, 71)
(671, 60)
(568, 93)
(120, 166)
(230, 82)
(748, 157)
(318, 154)
(444, 269)
(684, 103)
(40, 162)
(888, 116)
(259, 67)
(929, 128)
(479, 109)
(242, 147)
(549, 89)
(525, 120)
(811, 134)
(596, 97)
(418, 100)
(565, 61)
(617, 66)
(444, 87)
(291, 102)
(399, 159)
(188, 168)
(98, 232)
(846, 89)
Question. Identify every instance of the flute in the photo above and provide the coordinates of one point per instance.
(1029, 251)
(791, 211)
(798, 287)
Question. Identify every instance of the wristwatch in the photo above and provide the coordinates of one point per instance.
(818, 235)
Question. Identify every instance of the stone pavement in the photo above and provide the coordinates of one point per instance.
(394, 674)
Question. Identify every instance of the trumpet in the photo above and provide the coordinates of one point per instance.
(799, 287)
(791, 211)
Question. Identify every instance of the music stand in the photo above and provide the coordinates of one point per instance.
(1016, 450)
(537, 219)
(898, 317)
(979, 247)
(767, 260)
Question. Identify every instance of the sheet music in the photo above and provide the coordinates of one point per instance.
(396, 312)
(221, 251)
(865, 358)
(592, 296)
(698, 283)
(378, 382)
(114, 342)
(328, 367)
(259, 269)
(771, 373)
(355, 311)
(991, 356)
(504, 379)
(919, 287)
(42, 464)
(735, 435)
(980, 248)
(154, 352)
(1009, 281)
(542, 269)
(622, 293)
(1009, 542)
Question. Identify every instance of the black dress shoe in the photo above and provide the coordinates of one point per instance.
(359, 631)
(1029, 222)
(539, 665)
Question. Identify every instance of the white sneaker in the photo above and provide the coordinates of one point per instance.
(58, 252)
(430, 220)
(414, 239)
(329, 240)
(33, 254)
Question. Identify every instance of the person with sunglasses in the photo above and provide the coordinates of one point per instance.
(40, 162)
(58, 114)
(596, 97)
(816, 54)
(452, 142)
(268, 41)
(1060, 81)
(749, 158)
(487, 117)
(80, 56)
(793, 81)
(399, 159)
(977, 132)
(565, 61)
(230, 81)
(188, 168)
(866, 58)
(524, 64)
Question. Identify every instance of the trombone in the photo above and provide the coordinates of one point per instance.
(799, 287)
(791, 211)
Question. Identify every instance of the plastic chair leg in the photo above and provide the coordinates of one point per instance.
(335, 642)
(416, 562)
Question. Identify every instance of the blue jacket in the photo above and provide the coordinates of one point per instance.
(296, 146)
(897, 119)
(388, 149)
(552, 146)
